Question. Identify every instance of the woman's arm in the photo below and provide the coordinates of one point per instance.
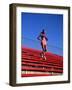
(46, 38)
(39, 37)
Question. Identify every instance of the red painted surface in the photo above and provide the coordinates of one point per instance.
(41, 69)
(32, 61)
(31, 75)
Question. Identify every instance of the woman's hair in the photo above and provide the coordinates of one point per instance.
(43, 31)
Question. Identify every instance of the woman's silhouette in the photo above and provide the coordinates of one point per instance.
(43, 38)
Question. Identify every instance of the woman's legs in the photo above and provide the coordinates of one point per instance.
(44, 50)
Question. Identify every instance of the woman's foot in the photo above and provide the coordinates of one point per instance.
(44, 57)
(41, 55)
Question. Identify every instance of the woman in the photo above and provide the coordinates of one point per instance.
(42, 37)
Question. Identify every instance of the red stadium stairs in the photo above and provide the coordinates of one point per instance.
(34, 65)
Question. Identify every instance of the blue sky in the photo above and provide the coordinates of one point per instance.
(33, 23)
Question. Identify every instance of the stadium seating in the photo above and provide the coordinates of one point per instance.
(34, 65)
